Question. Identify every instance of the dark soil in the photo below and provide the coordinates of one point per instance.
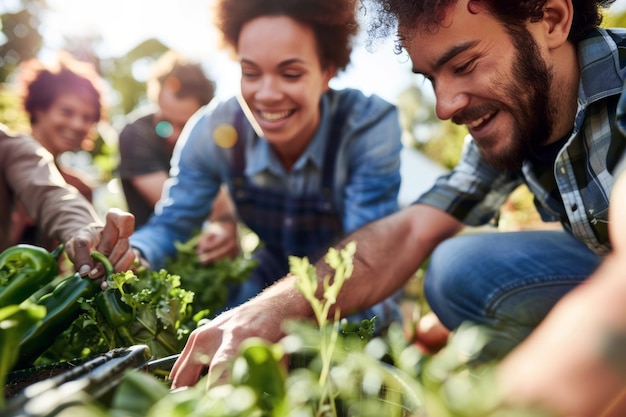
(18, 380)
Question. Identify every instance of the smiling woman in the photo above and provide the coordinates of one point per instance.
(324, 161)
(63, 102)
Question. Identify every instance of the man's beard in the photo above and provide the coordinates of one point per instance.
(528, 102)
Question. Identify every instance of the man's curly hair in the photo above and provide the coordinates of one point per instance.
(388, 15)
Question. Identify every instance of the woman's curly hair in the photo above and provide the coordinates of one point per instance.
(333, 22)
(391, 14)
(41, 85)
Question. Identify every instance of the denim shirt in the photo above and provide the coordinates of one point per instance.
(584, 169)
(367, 177)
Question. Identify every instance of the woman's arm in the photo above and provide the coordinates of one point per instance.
(61, 211)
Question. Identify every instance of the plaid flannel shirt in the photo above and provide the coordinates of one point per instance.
(584, 167)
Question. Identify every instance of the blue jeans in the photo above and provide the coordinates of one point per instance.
(273, 266)
(507, 282)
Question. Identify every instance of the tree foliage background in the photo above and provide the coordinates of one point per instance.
(21, 40)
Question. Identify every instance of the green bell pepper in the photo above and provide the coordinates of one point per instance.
(62, 308)
(25, 269)
(116, 313)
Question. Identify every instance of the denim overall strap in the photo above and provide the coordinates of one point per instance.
(286, 224)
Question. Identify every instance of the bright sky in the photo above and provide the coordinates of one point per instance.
(185, 25)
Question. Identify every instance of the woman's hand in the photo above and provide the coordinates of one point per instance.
(110, 240)
(219, 240)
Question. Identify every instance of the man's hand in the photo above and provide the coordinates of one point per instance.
(215, 344)
(218, 241)
(112, 241)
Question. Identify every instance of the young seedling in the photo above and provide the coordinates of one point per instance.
(307, 283)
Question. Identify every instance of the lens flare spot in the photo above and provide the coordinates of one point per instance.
(164, 129)
(225, 136)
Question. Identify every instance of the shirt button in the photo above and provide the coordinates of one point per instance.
(574, 207)
(288, 222)
(562, 170)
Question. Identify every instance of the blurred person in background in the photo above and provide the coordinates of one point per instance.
(304, 163)
(30, 178)
(64, 101)
(177, 88)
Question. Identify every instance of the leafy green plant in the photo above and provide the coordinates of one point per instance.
(307, 284)
(152, 309)
(331, 373)
(156, 308)
(159, 308)
(210, 283)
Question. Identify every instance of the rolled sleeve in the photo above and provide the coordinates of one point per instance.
(473, 191)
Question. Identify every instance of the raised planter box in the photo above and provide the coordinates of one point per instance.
(46, 390)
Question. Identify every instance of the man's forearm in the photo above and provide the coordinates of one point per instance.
(388, 252)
